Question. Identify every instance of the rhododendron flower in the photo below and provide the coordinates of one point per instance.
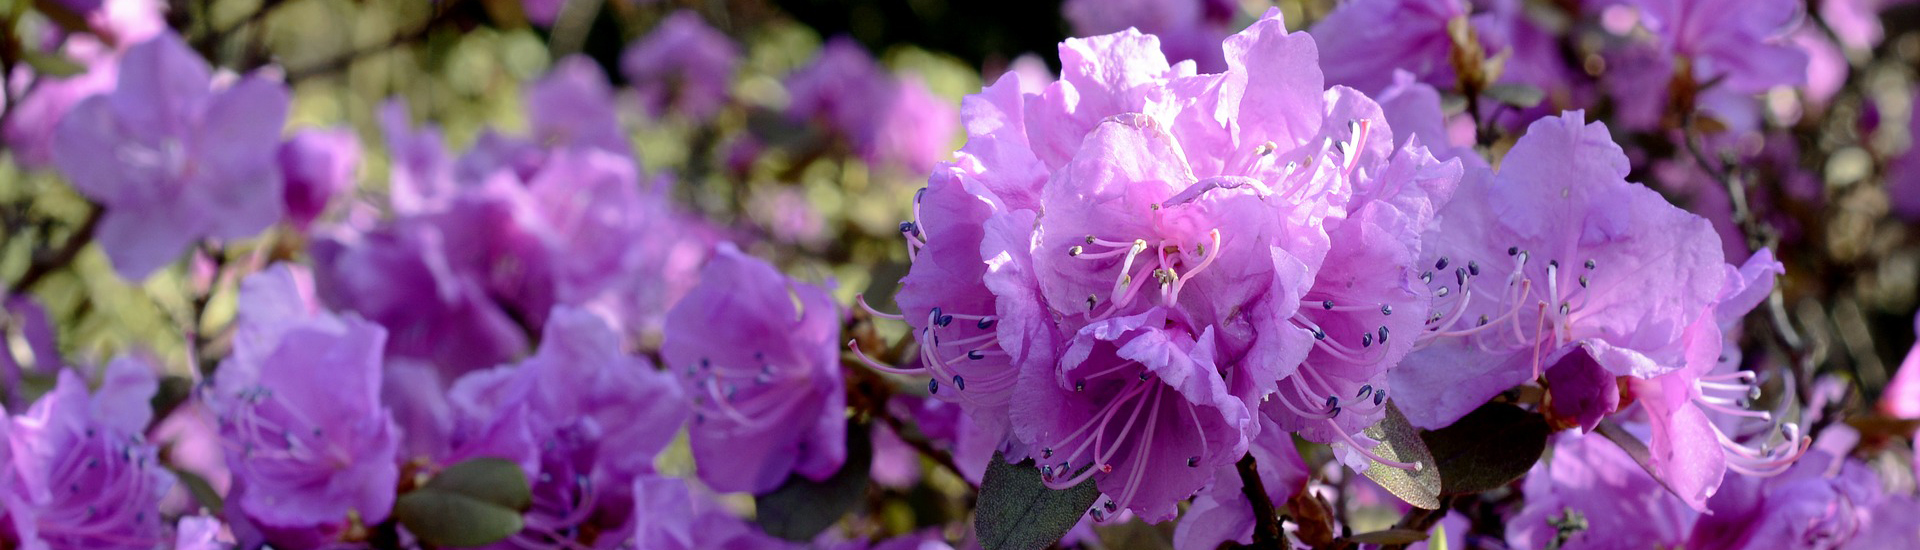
(189, 160)
(81, 474)
(758, 354)
(1374, 284)
(45, 99)
(1591, 477)
(1570, 258)
(311, 447)
(1144, 256)
(1188, 29)
(318, 165)
(1742, 48)
(1221, 513)
(675, 518)
(573, 106)
(887, 120)
(582, 416)
(682, 66)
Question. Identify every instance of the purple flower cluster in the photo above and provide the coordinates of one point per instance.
(1140, 271)
(1208, 274)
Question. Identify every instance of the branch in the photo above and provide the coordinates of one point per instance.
(45, 262)
(1266, 527)
(344, 60)
(1421, 519)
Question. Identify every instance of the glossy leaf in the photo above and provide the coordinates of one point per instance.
(1016, 510)
(1488, 448)
(802, 508)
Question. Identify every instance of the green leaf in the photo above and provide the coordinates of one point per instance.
(202, 491)
(1016, 510)
(1518, 95)
(473, 503)
(802, 508)
(1387, 537)
(52, 63)
(1400, 442)
(1469, 464)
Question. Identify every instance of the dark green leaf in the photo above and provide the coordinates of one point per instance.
(62, 15)
(1469, 464)
(492, 480)
(445, 518)
(52, 63)
(802, 508)
(1016, 510)
(1400, 442)
(1518, 95)
(473, 503)
(1388, 537)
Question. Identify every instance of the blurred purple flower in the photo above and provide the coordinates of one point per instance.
(1188, 29)
(1741, 47)
(311, 447)
(1590, 476)
(676, 518)
(45, 99)
(681, 65)
(82, 475)
(758, 354)
(318, 164)
(582, 416)
(201, 533)
(886, 119)
(188, 160)
(573, 106)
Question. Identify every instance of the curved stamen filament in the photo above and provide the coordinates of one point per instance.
(862, 300)
(1415, 466)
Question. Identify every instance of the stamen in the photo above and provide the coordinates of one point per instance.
(1440, 265)
(1473, 268)
(1386, 309)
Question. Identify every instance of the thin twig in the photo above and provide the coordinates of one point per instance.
(345, 60)
(48, 261)
(1266, 526)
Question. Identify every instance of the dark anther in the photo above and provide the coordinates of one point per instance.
(1383, 334)
(1473, 268)
(976, 355)
(1590, 264)
(1193, 462)
(1439, 265)
(933, 386)
(1512, 250)
(906, 227)
(959, 383)
(1366, 339)
(1364, 390)
(1327, 304)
